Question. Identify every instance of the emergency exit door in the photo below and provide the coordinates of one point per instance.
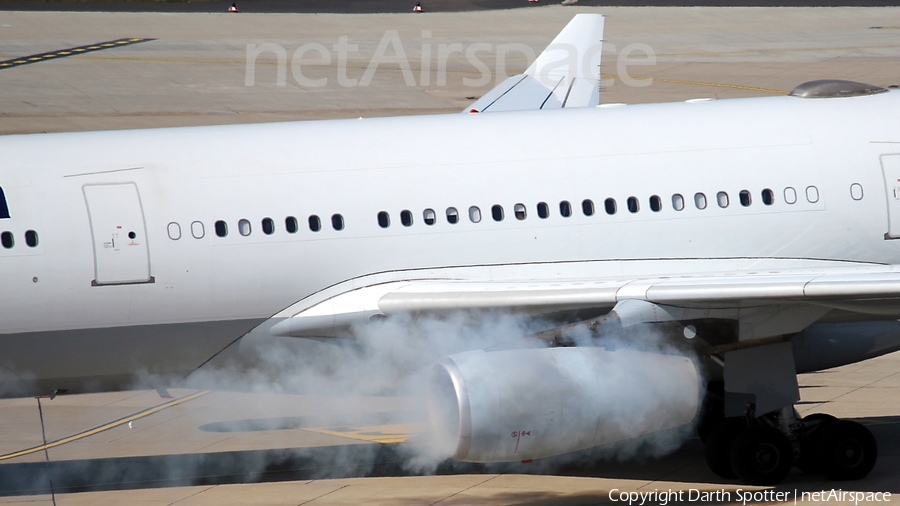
(121, 255)
(890, 166)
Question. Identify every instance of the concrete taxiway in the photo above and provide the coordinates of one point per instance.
(195, 70)
(135, 447)
(351, 450)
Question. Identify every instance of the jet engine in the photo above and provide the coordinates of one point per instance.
(502, 406)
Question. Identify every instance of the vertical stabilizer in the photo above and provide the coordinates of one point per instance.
(566, 74)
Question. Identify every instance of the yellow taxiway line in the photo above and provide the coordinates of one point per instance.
(105, 427)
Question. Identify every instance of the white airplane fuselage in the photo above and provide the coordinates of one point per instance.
(88, 306)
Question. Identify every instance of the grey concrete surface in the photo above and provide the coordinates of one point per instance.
(195, 73)
(868, 392)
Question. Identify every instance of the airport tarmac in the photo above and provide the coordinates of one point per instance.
(216, 447)
(308, 449)
(195, 69)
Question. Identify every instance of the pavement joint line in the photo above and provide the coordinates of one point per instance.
(63, 53)
(480, 483)
(106, 426)
(192, 495)
(323, 495)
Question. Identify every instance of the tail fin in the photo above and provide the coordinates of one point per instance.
(566, 74)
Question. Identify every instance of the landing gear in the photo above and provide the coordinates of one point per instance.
(751, 450)
(761, 455)
(717, 450)
(761, 451)
(810, 441)
(846, 450)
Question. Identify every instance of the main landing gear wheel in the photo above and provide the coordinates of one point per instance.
(761, 455)
(717, 450)
(809, 461)
(848, 450)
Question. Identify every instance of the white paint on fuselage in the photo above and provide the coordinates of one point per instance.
(360, 167)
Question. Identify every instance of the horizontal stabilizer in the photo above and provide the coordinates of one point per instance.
(566, 74)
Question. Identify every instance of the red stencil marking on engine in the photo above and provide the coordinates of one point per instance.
(519, 434)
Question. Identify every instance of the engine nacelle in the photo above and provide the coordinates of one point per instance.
(510, 405)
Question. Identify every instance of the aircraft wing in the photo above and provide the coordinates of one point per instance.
(566, 74)
(801, 297)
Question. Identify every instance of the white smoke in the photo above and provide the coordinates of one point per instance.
(384, 370)
(387, 357)
(394, 357)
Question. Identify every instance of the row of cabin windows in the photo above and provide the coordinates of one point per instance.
(245, 228)
(632, 204)
(291, 225)
(429, 216)
(9, 241)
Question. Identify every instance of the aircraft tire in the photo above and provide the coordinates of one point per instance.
(810, 461)
(848, 450)
(762, 455)
(718, 445)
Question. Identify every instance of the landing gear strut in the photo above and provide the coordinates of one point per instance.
(762, 450)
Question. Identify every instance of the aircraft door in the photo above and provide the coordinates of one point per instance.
(121, 255)
(890, 166)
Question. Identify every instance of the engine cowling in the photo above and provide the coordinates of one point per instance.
(510, 405)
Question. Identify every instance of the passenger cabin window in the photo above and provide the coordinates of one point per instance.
(221, 228)
(790, 195)
(856, 191)
(677, 202)
(812, 194)
(31, 238)
(452, 216)
(655, 203)
(268, 226)
(4, 208)
(244, 227)
(337, 222)
(174, 231)
(768, 197)
(384, 219)
(429, 217)
(198, 230)
(7, 239)
(497, 212)
(565, 209)
(315, 224)
(290, 224)
(474, 214)
(610, 206)
(519, 211)
(700, 200)
(406, 218)
(722, 199)
(633, 205)
(745, 198)
(587, 207)
(543, 210)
